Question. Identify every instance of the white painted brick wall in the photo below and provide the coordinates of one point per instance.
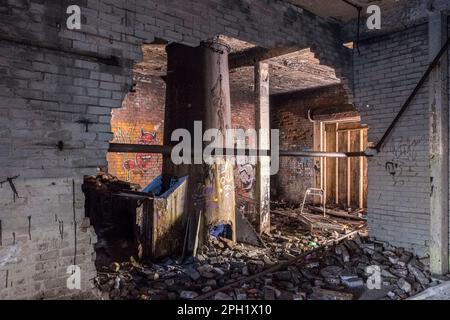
(35, 253)
(399, 179)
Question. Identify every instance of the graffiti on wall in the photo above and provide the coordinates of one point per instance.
(302, 167)
(404, 148)
(402, 156)
(142, 161)
(245, 171)
(395, 170)
(138, 163)
(246, 174)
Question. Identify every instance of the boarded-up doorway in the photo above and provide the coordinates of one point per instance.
(344, 180)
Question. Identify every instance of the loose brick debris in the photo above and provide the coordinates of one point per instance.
(324, 271)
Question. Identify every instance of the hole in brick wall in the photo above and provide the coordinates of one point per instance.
(298, 83)
(113, 218)
(140, 120)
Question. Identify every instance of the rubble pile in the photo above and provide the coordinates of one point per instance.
(106, 182)
(339, 272)
(219, 264)
(295, 264)
(353, 268)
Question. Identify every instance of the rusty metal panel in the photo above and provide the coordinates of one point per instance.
(169, 221)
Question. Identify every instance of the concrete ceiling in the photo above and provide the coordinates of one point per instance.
(290, 72)
(338, 10)
(154, 60)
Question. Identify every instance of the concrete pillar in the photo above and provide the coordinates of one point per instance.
(263, 127)
(219, 177)
(183, 106)
(439, 147)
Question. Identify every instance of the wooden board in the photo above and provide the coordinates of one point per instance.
(343, 147)
(344, 180)
(317, 161)
(330, 130)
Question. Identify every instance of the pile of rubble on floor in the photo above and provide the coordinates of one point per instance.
(342, 271)
(335, 262)
(103, 181)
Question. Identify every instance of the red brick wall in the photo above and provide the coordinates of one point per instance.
(144, 110)
(140, 120)
(290, 115)
(243, 117)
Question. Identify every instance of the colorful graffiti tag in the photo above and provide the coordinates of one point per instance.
(246, 176)
(142, 161)
(138, 163)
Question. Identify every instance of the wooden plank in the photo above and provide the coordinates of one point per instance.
(336, 200)
(349, 165)
(322, 164)
(330, 130)
(348, 126)
(343, 146)
(317, 161)
(335, 213)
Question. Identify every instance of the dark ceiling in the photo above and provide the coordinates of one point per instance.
(338, 10)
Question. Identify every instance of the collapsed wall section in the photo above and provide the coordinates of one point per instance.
(57, 90)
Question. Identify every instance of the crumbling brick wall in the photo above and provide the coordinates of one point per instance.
(140, 121)
(57, 90)
(386, 72)
(143, 112)
(290, 116)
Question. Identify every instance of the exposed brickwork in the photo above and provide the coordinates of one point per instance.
(140, 120)
(290, 115)
(144, 109)
(51, 81)
(38, 245)
(399, 178)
